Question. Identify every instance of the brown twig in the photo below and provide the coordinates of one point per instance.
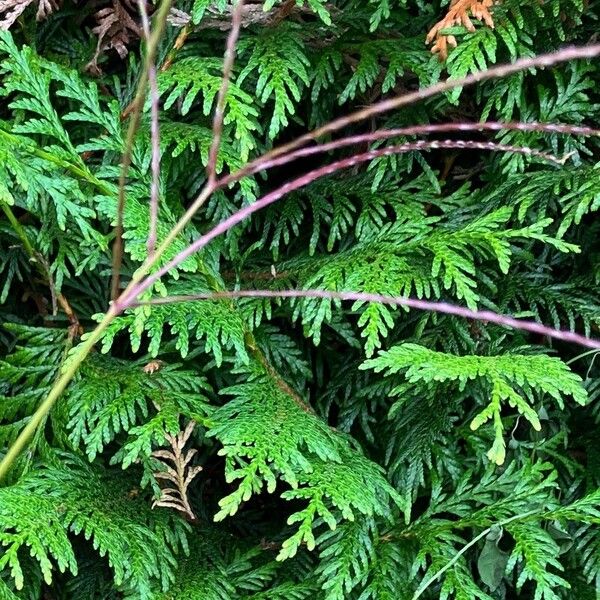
(252, 15)
(177, 46)
(542, 60)
(134, 290)
(236, 20)
(154, 137)
(152, 47)
(43, 269)
(384, 134)
(426, 305)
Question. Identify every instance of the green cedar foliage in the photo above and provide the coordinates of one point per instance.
(348, 451)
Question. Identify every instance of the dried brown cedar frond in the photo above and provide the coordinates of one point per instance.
(116, 29)
(458, 14)
(181, 475)
(11, 10)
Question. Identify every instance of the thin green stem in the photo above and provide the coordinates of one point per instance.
(580, 356)
(61, 383)
(421, 590)
(57, 389)
(94, 336)
(18, 229)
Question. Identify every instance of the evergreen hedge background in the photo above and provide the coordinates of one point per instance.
(290, 449)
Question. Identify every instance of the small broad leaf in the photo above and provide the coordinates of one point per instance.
(492, 561)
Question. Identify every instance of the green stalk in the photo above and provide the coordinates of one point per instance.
(421, 590)
(82, 351)
(64, 379)
(57, 389)
(18, 228)
(66, 376)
